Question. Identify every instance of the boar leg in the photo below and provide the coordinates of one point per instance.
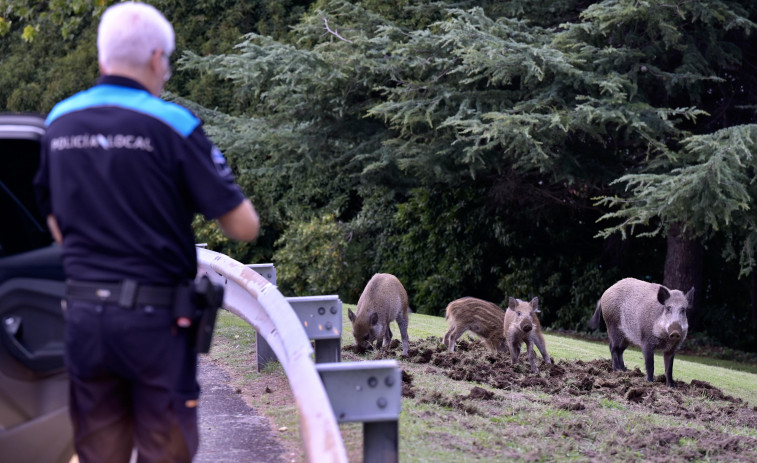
(668, 356)
(447, 341)
(453, 333)
(531, 356)
(618, 344)
(403, 322)
(380, 340)
(388, 337)
(648, 351)
(538, 339)
(514, 352)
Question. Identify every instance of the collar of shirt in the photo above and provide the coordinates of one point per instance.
(120, 81)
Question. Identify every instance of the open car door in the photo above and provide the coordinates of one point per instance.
(34, 422)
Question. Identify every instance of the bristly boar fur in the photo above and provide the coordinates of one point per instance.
(521, 324)
(648, 315)
(481, 317)
(383, 300)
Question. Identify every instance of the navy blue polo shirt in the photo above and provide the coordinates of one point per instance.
(124, 172)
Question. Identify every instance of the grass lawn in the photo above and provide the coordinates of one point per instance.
(443, 422)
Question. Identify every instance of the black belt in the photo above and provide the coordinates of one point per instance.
(126, 293)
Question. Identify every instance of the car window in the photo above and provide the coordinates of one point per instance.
(21, 224)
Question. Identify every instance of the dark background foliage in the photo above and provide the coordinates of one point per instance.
(490, 149)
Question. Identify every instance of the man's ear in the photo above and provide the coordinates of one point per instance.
(156, 62)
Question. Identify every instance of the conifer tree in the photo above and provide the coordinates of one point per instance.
(470, 146)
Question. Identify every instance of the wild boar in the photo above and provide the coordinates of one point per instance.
(383, 300)
(521, 324)
(648, 315)
(481, 317)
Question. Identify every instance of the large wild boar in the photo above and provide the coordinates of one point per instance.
(481, 317)
(521, 324)
(648, 315)
(383, 300)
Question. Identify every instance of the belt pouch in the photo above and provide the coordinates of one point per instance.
(184, 303)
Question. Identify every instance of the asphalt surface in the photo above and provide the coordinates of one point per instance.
(230, 431)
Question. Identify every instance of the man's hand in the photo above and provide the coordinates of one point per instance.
(241, 223)
(52, 224)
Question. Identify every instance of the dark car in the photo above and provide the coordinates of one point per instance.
(34, 421)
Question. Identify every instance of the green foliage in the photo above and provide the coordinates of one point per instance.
(445, 247)
(37, 39)
(314, 257)
(454, 108)
(587, 285)
(711, 191)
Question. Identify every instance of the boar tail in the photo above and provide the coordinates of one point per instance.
(594, 322)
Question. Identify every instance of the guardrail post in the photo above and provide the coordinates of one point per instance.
(264, 352)
(328, 350)
(370, 392)
(381, 442)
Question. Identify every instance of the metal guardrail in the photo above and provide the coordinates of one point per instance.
(321, 317)
(254, 299)
(369, 392)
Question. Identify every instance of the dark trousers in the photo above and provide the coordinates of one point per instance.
(133, 384)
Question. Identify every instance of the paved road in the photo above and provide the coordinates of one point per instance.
(230, 431)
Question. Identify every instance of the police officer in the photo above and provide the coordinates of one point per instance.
(122, 174)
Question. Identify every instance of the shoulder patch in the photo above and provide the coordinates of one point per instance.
(219, 161)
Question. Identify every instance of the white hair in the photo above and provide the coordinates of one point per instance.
(130, 32)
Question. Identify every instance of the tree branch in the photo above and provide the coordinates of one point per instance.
(335, 33)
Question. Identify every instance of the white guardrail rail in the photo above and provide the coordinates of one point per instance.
(254, 299)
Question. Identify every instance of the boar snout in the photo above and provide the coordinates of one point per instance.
(675, 331)
(526, 326)
(363, 348)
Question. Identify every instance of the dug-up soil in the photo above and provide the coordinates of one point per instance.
(705, 417)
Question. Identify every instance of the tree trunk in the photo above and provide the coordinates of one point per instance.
(753, 297)
(683, 269)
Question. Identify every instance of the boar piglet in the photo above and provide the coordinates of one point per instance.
(480, 317)
(648, 315)
(383, 300)
(521, 324)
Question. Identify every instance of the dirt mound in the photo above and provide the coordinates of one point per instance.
(599, 414)
(569, 382)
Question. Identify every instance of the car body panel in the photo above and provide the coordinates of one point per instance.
(34, 419)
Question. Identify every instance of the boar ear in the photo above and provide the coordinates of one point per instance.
(351, 314)
(374, 318)
(535, 304)
(512, 303)
(690, 296)
(663, 295)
